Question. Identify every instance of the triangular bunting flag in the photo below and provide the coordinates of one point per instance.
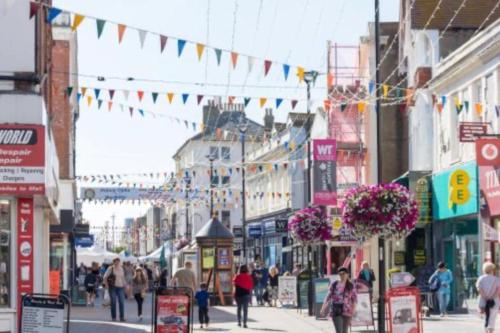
(443, 100)
(142, 37)
(385, 89)
(234, 59)
(459, 108)
(218, 54)
(77, 20)
(246, 100)
(163, 42)
(479, 109)
(251, 61)
(34, 8)
(170, 97)
(69, 90)
(278, 102)
(230, 99)
(439, 107)
(294, 103)
(121, 31)
(89, 100)
(371, 86)
(111, 93)
(466, 104)
(78, 97)
(199, 98)
(99, 104)
(154, 95)
(97, 92)
(343, 106)
(327, 104)
(184, 98)
(126, 93)
(329, 80)
(497, 110)
(361, 106)
(52, 14)
(100, 27)
(141, 112)
(84, 90)
(131, 110)
(300, 73)
(199, 50)
(262, 101)
(286, 70)
(140, 95)
(180, 46)
(110, 105)
(267, 66)
(194, 128)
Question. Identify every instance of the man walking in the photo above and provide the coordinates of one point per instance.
(184, 277)
(114, 280)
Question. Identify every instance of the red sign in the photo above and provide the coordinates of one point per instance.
(172, 314)
(24, 246)
(22, 159)
(489, 183)
(488, 152)
(403, 305)
(325, 172)
(469, 132)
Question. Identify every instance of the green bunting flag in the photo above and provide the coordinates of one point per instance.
(100, 27)
(466, 104)
(69, 90)
(154, 96)
(218, 55)
(246, 100)
(99, 104)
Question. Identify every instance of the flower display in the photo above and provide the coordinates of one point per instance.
(310, 225)
(387, 210)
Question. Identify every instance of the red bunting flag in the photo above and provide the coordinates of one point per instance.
(34, 8)
(234, 58)
(267, 66)
(121, 31)
(110, 105)
(140, 94)
(230, 99)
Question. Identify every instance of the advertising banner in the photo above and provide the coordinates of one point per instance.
(42, 315)
(122, 193)
(22, 159)
(489, 181)
(208, 257)
(404, 305)
(488, 152)
(287, 290)
(325, 172)
(24, 246)
(172, 314)
(363, 316)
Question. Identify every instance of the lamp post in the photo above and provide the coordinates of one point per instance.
(243, 127)
(309, 77)
(211, 158)
(187, 181)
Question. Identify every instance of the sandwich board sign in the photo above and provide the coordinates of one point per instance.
(44, 314)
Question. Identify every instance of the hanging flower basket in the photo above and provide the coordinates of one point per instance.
(386, 210)
(310, 225)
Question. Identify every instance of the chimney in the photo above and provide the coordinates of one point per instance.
(210, 114)
(268, 121)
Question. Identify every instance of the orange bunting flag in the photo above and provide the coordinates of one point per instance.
(199, 50)
(140, 95)
(409, 96)
(89, 100)
(121, 31)
(479, 109)
(385, 89)
(327, 104)
(263, 101)
(234, 58)
(329, 80)
(439, 107)
(77, 20)
(300, 73)
(230, 99)
(110, 105)
(361, 106)
(170, 97)
(84, 90)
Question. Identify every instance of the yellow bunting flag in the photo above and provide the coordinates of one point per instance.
(76, 21)
(170, 97)
(199, 49)
(300, 73)
(479, 109)
(121, 31)
(457, 101)
(385, 89)
(234, 58)
(361, 106)
(89, 100)
(263, 101)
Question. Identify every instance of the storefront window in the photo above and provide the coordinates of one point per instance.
(5, 235)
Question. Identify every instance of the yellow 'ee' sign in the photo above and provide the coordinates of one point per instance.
(459, 191)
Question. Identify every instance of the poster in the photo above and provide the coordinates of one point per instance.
(324, 172)
(172, 314)
(320, 287)
(22, 156)
(42, 315)
(54, 282)
(208, 258)
(225, 281)
(24, 246)
(363, 315)
(223, 258)
(403, 315)
(287, 290)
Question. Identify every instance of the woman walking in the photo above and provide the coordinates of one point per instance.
(139, 287)
(91, 284)
(341, 302)
(273, 285)
(488, 286)
(128, 270)
(441, 282)
(243, 285)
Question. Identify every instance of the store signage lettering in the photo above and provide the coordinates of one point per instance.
(489, 179)
(325, 172)
(459, 191)
(25, 246)
(470, 131)
(42, 315)
(281, 225)
(488, 152)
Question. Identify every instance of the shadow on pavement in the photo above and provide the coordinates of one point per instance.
(85, 326)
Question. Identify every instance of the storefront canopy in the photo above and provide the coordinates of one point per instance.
(88, 255)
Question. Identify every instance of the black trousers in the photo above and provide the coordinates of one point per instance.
(242, 305)
(139, 299)
(203, 315)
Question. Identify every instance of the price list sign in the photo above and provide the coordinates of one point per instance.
(42, 315)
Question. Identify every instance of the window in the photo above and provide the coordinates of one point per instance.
(214, 152)
(225, 153)
(5, 236)
(226, 180)
(226, 218)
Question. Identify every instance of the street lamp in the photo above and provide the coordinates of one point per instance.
(243, 127)
(187, 182)
(211, 158)
(309, 77)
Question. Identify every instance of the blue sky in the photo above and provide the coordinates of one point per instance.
(286, 31)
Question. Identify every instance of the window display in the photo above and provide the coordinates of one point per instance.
(5, 240)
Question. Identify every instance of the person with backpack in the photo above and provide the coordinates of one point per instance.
(114, 280)
(341, 301)
(91, 283)
(440, 283)
(488, 286)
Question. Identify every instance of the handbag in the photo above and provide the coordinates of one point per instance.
(435, 283)
(338, 308)
(111, 280)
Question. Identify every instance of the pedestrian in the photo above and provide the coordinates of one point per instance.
(91, 283)
(202, 297)
(440, 283)
(129, 275)
(184, 277)
(149, 273)
(163, 279)
(341, 301)
(114, 280)
(243, 286)
(273, 285)
(81, 273)
(488, 286)
(139, 288)
(257, 285)
(367, 275)
(297, 269)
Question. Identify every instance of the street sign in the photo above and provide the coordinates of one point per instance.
(403, 307)
(470, 131)
(403, 279)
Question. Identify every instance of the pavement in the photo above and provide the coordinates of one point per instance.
(261, 319)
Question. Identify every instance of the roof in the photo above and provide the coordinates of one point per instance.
(471, 16)
(299, 118)
(214, 229)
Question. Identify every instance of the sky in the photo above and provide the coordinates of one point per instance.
(286, 31)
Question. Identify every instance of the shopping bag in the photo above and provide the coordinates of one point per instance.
(106, 300)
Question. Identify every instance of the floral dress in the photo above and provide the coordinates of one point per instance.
(338, 294)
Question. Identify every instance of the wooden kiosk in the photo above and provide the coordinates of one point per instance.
(215, 253)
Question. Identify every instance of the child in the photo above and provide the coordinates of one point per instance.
(202, 297)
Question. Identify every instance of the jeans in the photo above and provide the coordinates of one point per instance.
(139, 299)
(114, 293)
(242, 303)
(443, 300)
(258, 290)
(203, 315)
(341, 324)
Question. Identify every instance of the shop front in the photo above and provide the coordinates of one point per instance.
(456, 236)
(275, 238)
(489, 183)
(254, 241)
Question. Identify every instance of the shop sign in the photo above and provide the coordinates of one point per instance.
(22, 159)
(419, 257)
(404, 310)
(403, 279)
(488, 152)
(459, 182)
(238, 232)
(81, 229)
(423, 196)
(255, 231)
(122, 193)
(281, 225)
(470, 131)
(399, 258)
(489, 233)
(223, 258)
(172, 314)
(84, 241)
(287, 290)
(25, 246)
(43, 315)
(325, 172)
(489, 180)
